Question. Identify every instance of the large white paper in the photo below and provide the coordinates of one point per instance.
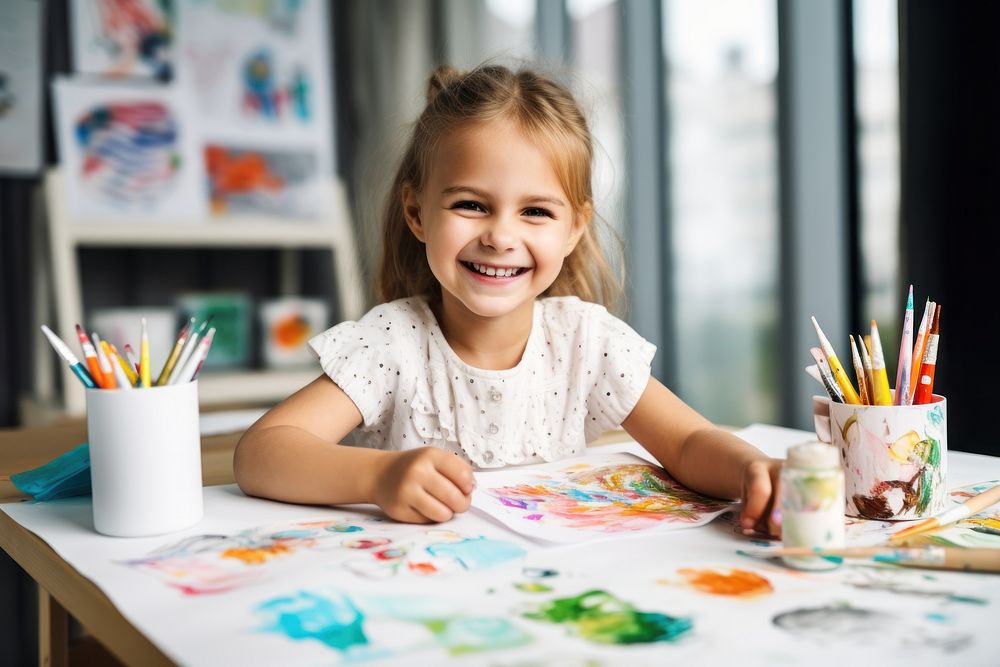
(678, 597)
(598, 496)
(20, 86)
(128, 152)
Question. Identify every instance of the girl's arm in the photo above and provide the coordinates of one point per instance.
(703, 457)
(293, 454)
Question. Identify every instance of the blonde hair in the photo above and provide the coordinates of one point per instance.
(547, 113)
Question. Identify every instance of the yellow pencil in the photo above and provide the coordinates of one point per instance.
(144, 357)
(844, 382)
(126, 366)
(882, 393)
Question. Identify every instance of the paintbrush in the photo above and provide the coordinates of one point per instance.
(973, 505)
(935, 557)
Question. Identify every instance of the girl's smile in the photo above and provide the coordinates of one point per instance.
(492, 274)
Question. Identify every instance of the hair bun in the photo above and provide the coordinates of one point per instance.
(441, 78)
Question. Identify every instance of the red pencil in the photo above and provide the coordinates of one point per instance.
(925, 383)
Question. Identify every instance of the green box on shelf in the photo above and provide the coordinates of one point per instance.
(231, 317)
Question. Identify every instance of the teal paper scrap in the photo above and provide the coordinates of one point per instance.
(63, 477)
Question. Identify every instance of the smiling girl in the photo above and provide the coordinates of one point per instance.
(492, 345)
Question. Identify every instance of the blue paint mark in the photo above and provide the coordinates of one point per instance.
(938, 617)
(336, 621)
(292, 534)
(475, 554)
(343, 528)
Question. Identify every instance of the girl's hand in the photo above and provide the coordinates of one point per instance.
(426, 485)
(761, 493)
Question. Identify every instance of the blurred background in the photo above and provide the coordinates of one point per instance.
(761, 160)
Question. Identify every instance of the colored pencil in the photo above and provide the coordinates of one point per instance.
(90, 356)
(193, 365)
(168, 366)
(902, 396)
(144, 355)
(925, 383)
(130, 375)
(117, 366)
(130, 355)
(973, 505)
(827, 377)
(189, 347)
(850, 395)
(859, 372)
(866, 362)
(106, 369)
(935, 557)
(74, 364)
(882, 393)
(918, 346)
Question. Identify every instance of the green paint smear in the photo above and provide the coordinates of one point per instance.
(601, 618)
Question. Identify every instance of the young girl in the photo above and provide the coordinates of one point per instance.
(488, 349)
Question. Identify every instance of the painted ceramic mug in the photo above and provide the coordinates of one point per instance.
(894, 456)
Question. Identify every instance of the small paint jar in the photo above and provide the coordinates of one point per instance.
(812, 503)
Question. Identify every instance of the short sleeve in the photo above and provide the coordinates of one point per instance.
(361, 357)
(619, 361)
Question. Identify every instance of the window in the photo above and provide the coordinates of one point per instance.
(876, 62)
(721, 67)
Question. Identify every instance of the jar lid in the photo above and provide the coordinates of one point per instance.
(813, 456)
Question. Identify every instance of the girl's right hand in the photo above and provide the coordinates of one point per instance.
(426, 485)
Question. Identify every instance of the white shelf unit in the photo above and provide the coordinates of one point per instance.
(66, 236)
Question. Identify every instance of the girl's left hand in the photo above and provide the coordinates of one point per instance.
(761, 495)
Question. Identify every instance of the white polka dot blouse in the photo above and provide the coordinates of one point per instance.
(581, 374)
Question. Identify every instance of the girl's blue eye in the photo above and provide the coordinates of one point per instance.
(469, 206)
(538, 212)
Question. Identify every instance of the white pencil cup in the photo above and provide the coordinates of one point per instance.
(145, 459)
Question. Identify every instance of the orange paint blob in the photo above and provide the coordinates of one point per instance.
(739, 583)
(423, 568)
(256, 556)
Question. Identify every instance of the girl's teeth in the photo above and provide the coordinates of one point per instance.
(491, 271)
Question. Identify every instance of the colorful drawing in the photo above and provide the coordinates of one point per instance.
(600, 617)
(259, 66)
(349, 625)
(130, 151)
(364, 547)
(127, 152)
(894, 458)
(593, 496)
(244, 181)
(119, 38)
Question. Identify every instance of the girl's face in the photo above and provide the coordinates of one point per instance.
(494, 218)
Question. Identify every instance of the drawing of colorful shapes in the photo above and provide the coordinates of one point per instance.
(600, 617)
(130, 152)
(345, 625)
(611, 498)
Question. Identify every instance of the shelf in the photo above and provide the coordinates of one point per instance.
(263, 386)
(60, 277)
(221, 233)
